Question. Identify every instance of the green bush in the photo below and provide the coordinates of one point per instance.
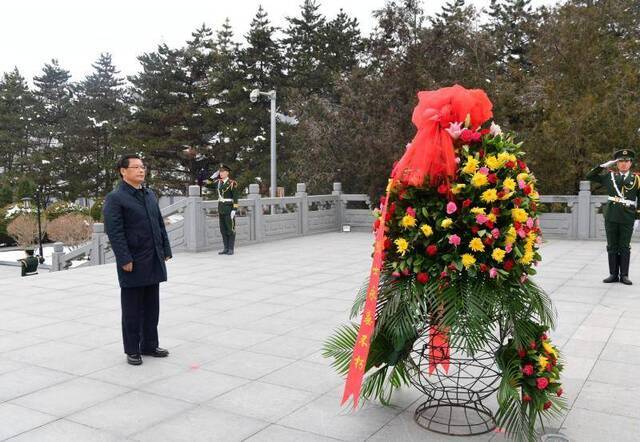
(60, 208)
(96, 210)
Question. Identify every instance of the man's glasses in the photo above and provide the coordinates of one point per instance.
(137, 167)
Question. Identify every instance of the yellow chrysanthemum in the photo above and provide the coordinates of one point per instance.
(492, 217)
(498, 255)
(542, 362)
(549, 349)
(446, 223)
(479, 180)
(471, 165)
(489, 195)
(507, 196)
(458, 188)
(505, 156)
(478, 211)
(534, 196)
(468, 260)
(519, 215)
(509, 183)
(527, 258)
(493, 163)
(426, 230)
(522, 176)
(401, 245)
(390, 185)
(476, 245)
(408, 221)
(510, 236)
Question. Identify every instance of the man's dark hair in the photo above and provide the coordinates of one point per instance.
(29, 252)
(123, 162)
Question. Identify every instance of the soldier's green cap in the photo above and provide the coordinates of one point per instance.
(624, 154)
(224, 167)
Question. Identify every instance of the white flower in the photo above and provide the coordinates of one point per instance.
(454, 129)
(495, 130)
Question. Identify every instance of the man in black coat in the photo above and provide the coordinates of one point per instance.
(140, 243)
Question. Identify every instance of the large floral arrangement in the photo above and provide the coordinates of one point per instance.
(457, 242)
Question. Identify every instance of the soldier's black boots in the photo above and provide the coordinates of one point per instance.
(225, 240)
(614, 268)
(625, 258)
(232, 242)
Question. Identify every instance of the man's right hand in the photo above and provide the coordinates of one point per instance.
(128, 267)
(608, 164)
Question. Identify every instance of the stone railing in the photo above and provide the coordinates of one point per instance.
(192, 222)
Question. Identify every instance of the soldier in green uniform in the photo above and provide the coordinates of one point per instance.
(227, 192)
(620, 211)
(29, 264)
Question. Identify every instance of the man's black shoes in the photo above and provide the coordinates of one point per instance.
(135, 359)
(157, 353)
(611, 278)
(224, 252)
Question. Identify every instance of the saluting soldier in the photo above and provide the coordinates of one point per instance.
(227, 192)
(620, 211)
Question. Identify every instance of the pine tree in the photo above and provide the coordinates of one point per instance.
(16, 122)
(100, 118)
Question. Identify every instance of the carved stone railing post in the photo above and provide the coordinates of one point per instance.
(584, 210)
(301, 192)
(98, 241)
(341, 206)
(195, 234)
(257, 221)
(57, 259)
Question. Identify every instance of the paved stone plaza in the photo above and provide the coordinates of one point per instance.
(245, 334)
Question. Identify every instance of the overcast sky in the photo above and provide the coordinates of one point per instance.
(77, 31)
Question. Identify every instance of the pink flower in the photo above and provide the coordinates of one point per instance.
(495, 233)
(508, 248)
(454, 129)
(495, 130)
(481, 219)
(527, 369)
(457, 160)
(451, 207)
(530, 223)
(484, 170)
(542, 383)
(521, 184)
(411, 211)
(455, 240)
(522, 233)
(493, 272)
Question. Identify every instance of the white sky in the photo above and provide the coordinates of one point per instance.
(77, 31)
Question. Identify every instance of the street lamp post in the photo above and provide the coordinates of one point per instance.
(272, 96)
(27, 204)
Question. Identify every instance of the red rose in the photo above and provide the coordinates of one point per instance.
(542, 383)
(432, 250)
(483, 267)
(526, 398)
(489, 224)
(527, 369)
(443, 189)
(422, 278)
(517, 202)
(509, 164)
(475, 229)
(517, 225)
(466, 136)
(547, 405)
(508, 265)
(484, 131)
(476, 137)
(522, 165)
(383, 200)
(387, 243)
(495, 211)
(560, 391)
(466, 203)
(492, 177)
(443, 274)
(405, 272)
(392, 208)
(501, 194)
(452, 266)
(522, 353)
(396, 274)
(532, 345)
(544, 337)
(488, 240)
(387, 217)
(481, 153)
(527, 189)
(376, 224)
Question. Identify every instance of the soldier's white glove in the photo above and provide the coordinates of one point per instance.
(608, 164)
(215, 175)
(636, 224)
(233, 214)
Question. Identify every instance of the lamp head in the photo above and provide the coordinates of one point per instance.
(253, 96)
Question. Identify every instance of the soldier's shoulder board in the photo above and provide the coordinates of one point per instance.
(233, 183)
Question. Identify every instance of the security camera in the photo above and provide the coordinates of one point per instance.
(253, 96)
